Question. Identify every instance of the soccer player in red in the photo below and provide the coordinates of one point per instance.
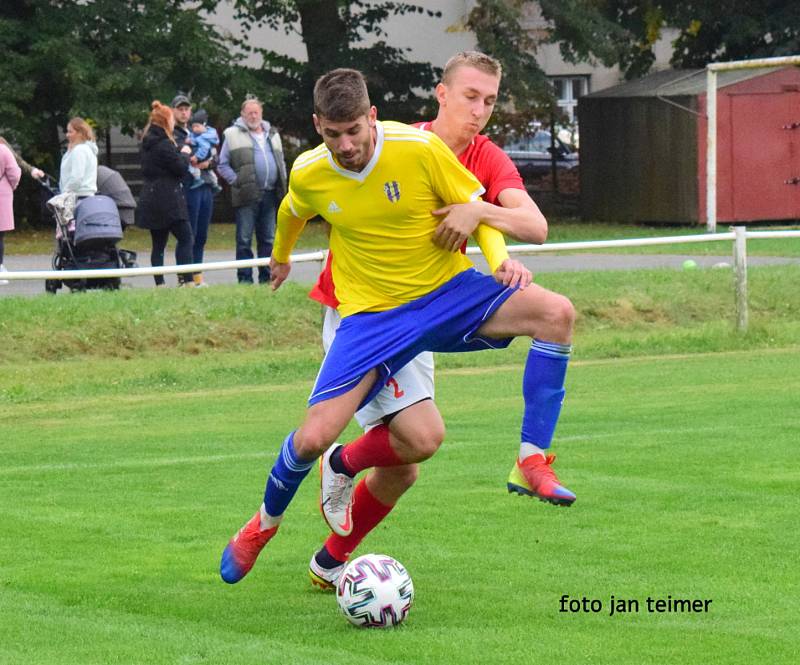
(466, 96)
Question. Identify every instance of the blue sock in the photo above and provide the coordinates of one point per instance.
(285, 477)
(543, 390)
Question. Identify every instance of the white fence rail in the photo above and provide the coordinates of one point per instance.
(738, 236)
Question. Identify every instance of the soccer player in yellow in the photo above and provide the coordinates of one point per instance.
(376, 184)
(467, 95)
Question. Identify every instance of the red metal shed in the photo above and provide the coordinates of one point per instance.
(643, 147)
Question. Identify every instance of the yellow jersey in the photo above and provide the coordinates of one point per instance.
(381, 222)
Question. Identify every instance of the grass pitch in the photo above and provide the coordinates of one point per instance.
(116, 504)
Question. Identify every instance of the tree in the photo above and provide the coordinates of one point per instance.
(729, 30)
(335, 33)
(526, 93)
(102, 59)
(624, 32)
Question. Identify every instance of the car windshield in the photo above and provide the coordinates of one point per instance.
(539, 142)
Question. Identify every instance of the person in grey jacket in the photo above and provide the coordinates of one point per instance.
(251, 161)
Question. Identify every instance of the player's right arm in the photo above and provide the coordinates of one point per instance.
(517, 216)
(290, 225)
(515, 213)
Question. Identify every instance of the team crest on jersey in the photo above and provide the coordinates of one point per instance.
(392, 190)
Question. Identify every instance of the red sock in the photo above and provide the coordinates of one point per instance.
(370, 449)
(367, 514)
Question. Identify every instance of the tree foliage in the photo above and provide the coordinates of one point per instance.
(102, 59)
(624, 32)
(525, 92)
(338, 33)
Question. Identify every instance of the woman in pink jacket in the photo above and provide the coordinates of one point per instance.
(9, 178)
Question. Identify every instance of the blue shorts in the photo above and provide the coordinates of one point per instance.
(443, 321)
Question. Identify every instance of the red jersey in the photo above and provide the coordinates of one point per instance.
(484, 159)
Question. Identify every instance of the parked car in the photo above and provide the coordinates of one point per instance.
(531, 153)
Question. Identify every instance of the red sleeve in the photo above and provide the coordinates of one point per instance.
(492, 167)
(324, 290)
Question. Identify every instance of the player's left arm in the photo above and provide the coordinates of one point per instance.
(506, 270)
(517, 216)
(455, 183)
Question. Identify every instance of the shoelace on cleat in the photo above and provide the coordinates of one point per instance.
(252, 540)
(340, 483)
(543, 469)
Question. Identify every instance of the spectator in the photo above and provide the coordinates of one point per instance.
(200, 199)
(162, 204)
(79, 164)
(251, 160)
(32, 171)
(10, 174)
(200, 196)
(204, 141)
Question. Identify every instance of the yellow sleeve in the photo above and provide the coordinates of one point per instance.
(289, 228)
(492, 244)
(451, 181)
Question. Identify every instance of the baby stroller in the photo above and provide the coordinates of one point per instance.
(87, 233)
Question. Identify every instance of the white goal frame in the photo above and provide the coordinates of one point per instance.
(711, 116)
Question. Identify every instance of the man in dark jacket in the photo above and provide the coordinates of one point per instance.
(199, 200)
(251, 160)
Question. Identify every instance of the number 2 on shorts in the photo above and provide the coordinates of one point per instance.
(396, 387)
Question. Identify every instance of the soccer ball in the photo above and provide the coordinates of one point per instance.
(375, 591)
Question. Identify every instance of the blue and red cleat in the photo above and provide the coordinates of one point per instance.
(243, 549)
(534, 476)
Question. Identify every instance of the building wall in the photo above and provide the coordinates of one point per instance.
(431, 40)
(600, 77)
(434, 40)
(638, 160)
(757, 152)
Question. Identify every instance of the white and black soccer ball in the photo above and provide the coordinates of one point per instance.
(375, 591)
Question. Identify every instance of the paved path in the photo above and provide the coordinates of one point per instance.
(307, 272)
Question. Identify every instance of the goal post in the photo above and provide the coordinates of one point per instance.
(711, 118)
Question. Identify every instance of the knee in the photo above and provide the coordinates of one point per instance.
(423, 442)
(554, 321)
(312, 440)
(563, 314)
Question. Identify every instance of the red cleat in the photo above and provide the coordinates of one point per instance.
(534, 476)
(243, 549)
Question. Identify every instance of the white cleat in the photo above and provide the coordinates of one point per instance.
(336, 495)
(324, 578)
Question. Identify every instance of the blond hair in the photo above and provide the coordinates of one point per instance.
(81, 128)
(480, 61)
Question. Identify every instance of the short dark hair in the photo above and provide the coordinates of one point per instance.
(341, 95)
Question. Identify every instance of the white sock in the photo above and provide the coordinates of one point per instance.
(527, 449)
(267, 520)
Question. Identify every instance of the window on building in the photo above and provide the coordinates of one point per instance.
(568, 90)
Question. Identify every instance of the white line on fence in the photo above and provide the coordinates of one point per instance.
(148, 270)
(739, 235)
(322, 254)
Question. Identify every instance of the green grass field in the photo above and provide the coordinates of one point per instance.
(122, 479)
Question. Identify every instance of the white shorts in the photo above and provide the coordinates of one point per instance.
(411, 384)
